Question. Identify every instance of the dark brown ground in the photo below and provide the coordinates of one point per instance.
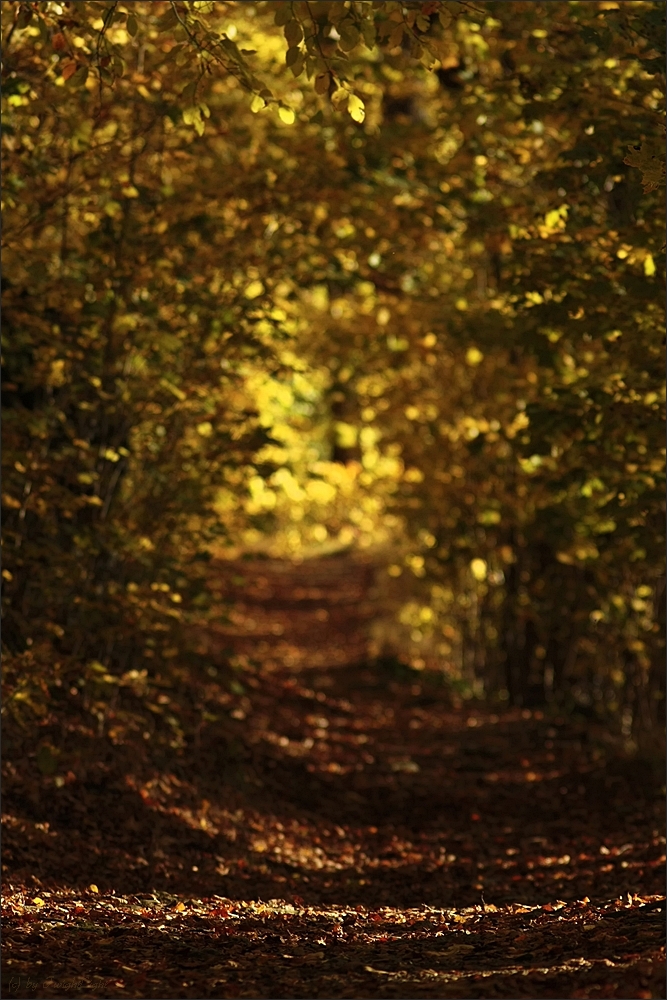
(338, 835)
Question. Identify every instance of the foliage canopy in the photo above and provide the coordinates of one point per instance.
(328, 273)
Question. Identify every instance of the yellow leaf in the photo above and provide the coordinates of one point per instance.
(178, 393)
(478, 569)
(556, 219)
(649, 266)
(413, 476)
(38, 901)
(205, 429)
(93, 888)
(57, 376)
(193, 116)
(254, 289)
(257, 104)
(286, 115)
(319, 491)
(339, 97)
(356, 108)
(179, 907)
(474, 356)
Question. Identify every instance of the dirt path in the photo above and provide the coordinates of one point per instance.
(347, 836)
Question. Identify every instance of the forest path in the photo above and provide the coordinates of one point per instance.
(282, 613)
(342, 834)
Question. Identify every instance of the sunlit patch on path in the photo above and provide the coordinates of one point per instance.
(207, 947)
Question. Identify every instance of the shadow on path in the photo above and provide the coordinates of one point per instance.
(356, 801)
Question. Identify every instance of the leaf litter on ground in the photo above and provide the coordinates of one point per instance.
(349, 836)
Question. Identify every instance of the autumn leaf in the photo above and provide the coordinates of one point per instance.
(68, 70)
(356, 109)
(649, 158)
(322, 83)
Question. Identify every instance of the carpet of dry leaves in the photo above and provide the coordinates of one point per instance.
(338, 834)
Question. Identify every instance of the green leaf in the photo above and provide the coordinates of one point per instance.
(132, 25)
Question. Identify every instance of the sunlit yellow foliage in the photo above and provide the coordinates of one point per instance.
(288, 290)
